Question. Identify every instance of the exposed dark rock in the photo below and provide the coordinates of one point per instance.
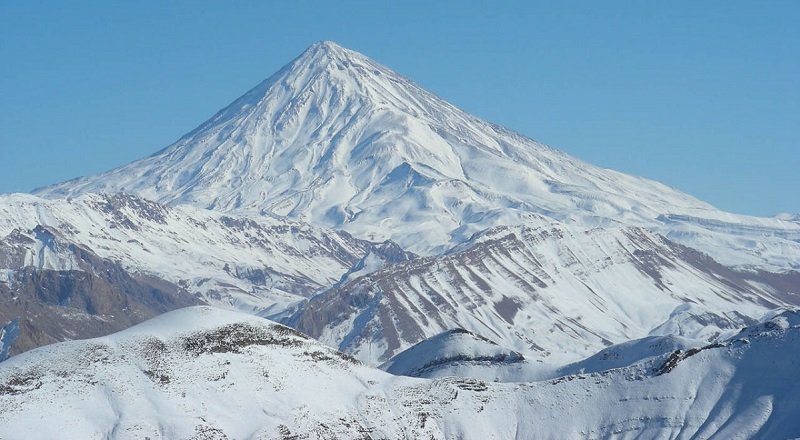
(678, 356)
(126, 211)
(234, 337)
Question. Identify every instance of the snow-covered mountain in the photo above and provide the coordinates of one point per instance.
(338, 140)
(554, 292)
(789, 217)
(617, 300)
(460, 353)
(261, 264)
(206, 373)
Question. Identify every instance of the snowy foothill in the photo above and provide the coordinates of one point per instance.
(202, 372)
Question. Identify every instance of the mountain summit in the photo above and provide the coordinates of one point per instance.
(336, 139)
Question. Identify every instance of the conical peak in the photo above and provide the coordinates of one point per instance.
(326, 46)
(329, 50)
(327, 65)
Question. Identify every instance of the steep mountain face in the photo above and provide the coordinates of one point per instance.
(206, 373)
(71, 293)
(553, 292)
(261, 265)
(338, 140)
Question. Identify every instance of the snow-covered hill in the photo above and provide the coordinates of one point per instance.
(205, 373)
(461, 353)
(551, 291)
(338, 140)
(262, 264)
(451, 353)
(654, 349)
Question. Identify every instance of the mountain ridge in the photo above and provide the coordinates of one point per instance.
(554, 292)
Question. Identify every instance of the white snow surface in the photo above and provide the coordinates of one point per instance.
(338, 140)
(206, 373)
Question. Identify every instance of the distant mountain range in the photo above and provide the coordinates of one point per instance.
(54, 251)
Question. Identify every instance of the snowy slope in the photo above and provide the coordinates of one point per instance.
(206, 373)
(338, 140)
(553, 292)
(463, 354)
(653, 349)
(262, 264)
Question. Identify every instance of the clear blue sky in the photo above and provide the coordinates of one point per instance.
(703, 96)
